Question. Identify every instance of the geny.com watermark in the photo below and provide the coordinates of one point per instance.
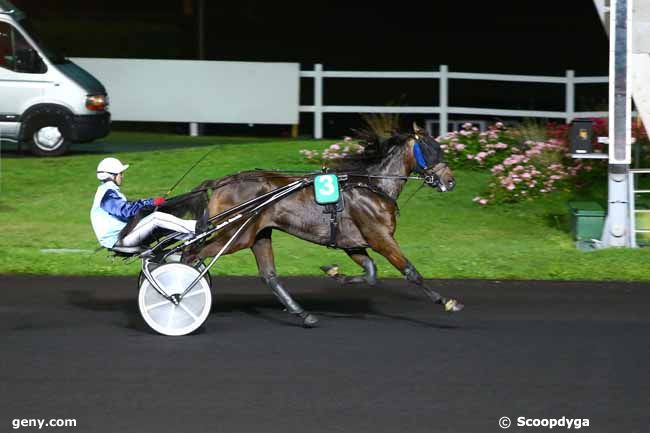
(41, 423)
(550, 423)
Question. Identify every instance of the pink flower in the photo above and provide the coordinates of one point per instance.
(335, 147)
(482, 202)
(510, 187)
(459, 146)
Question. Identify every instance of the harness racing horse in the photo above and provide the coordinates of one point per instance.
(375, 180)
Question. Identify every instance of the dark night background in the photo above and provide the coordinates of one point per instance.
(510, 37)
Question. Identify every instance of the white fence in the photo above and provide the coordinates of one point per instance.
(443, 109)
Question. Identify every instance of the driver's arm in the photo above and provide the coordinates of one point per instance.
(120, 208)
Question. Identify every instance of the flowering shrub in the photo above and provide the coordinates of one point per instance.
(522, 169)
(470, 148)
(333, 152)
(542, 168)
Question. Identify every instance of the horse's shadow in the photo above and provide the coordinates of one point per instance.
(259, 306)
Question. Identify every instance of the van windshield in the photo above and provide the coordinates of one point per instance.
(53, 56)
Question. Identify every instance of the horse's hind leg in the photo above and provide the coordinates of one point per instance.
(389, 248)
(360, 257)
(263, 251)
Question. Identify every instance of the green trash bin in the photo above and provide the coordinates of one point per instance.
(587, 220)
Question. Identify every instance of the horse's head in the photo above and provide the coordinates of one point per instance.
(428, 161)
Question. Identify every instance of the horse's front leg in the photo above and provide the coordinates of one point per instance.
(263, 251)
(388, 247)
(361, 258)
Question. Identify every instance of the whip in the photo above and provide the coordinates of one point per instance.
(188, 171)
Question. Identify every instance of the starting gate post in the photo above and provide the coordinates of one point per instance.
(617, 230)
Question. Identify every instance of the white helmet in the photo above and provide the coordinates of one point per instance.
(109, 167)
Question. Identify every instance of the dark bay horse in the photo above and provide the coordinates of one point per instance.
(368, 220)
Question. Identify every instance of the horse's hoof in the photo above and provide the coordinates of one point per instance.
(309, 320)
(453, 306)
(331, 270)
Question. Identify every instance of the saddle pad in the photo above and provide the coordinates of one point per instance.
(326, 189)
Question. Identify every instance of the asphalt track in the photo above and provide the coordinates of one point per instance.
(383, 360)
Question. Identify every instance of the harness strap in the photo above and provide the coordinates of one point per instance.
(334, 223)
(375, 190)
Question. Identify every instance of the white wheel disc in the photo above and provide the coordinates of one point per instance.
(161, 314)
(48, 138)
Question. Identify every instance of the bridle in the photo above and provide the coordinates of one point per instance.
(431, 173)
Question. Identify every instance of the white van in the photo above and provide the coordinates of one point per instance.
(46, 101)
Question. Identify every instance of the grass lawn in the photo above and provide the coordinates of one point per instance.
(45, 204)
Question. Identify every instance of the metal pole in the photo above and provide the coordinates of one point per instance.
(318, 101)
(443, 89)
(201, 28)
(195, 128)
(617, 230)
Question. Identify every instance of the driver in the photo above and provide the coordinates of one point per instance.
(111, 212)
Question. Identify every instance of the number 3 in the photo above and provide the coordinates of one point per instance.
(327, 186)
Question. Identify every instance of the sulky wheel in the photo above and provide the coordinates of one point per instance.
(162, 315)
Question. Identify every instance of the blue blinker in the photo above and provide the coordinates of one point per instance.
(419, 156)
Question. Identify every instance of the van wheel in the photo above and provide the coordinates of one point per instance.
(48, 139)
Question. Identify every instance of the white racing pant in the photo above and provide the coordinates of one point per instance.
(136, 237)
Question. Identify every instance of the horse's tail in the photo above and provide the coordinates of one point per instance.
(193, 202)
(205, 185)
(212, 184)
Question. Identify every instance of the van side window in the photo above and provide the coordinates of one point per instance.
(16, 54)
(6, 51)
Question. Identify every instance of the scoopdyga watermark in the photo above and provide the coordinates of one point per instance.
(549, 423)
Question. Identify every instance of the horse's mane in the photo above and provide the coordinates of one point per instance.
(376, 148)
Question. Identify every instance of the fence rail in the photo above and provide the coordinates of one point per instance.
(443, 109)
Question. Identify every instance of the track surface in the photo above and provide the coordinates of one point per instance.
(383, 360)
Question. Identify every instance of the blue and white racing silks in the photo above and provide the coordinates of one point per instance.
(111, 211)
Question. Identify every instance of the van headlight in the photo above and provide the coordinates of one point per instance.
(97, 102)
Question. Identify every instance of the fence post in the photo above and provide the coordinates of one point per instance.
(569, 104)
(318, 101)
(443, 90)
(194, 129)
